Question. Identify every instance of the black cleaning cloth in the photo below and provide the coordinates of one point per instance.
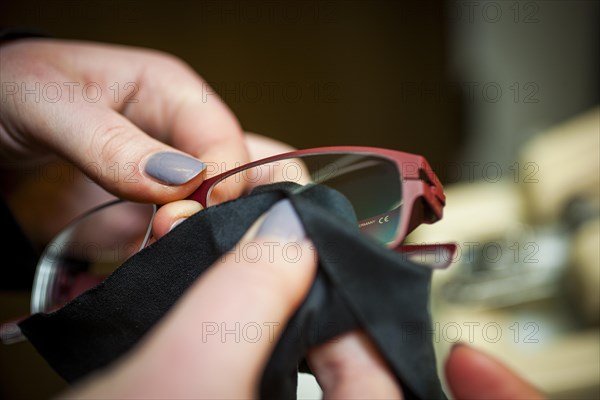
(359, 284)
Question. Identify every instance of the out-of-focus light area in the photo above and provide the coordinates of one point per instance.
(502, 98)
(525, 282)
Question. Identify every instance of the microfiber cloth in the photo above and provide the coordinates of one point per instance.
(359, 284)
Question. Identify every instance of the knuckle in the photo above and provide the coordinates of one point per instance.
(169, 62)
(108, 140)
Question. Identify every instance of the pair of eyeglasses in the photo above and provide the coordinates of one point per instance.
(392, 193)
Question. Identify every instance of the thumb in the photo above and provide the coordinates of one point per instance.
(257, 286)
(218, 338)
(117, 155)
(472, 374)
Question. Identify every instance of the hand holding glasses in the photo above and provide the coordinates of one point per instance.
(392, 193)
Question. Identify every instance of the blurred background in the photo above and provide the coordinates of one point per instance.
(500, 96)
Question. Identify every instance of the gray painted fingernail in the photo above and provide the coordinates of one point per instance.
(282, 222)
(173, 168)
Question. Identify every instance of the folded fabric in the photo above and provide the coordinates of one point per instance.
(359, 284)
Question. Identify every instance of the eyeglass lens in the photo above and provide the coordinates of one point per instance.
(371, 183)
(92, 247)
(87, 251)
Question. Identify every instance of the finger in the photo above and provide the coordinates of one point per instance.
(351, 367)
(148, 92)
(260, 146)
(178, 107)
(170, 215)
(200, 123)
(116, 154)
(163, 96)
(472, 374)
(216, 341)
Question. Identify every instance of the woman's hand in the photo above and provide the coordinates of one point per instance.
(141, 124)
(195, 352)
(147, 116)
(472, 374)
(109, 108)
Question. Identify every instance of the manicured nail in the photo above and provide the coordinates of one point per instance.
(282, 222)
(173, 168)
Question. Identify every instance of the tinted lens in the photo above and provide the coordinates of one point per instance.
(371, 183)
(88, 250)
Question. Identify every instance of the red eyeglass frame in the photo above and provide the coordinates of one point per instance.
(422, 192)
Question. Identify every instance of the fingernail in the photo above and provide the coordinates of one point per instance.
(176, 223)
(282, 222)
(173, 168)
